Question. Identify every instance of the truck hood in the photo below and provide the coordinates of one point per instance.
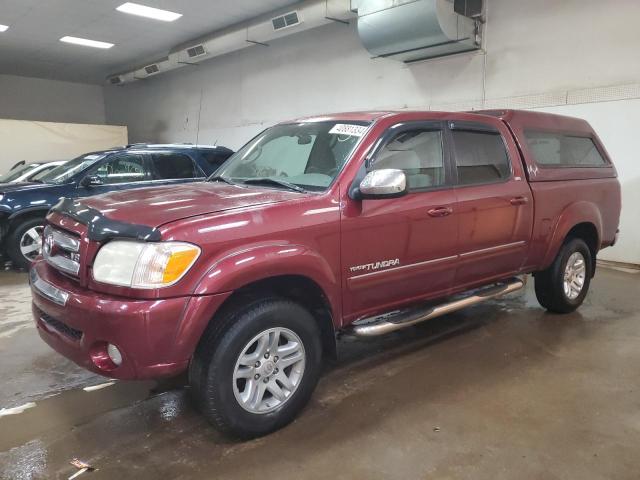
(157, 206)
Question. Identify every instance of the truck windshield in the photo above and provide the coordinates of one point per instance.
(308, 155)
(63, 173)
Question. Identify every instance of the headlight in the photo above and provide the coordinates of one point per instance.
(143, 265)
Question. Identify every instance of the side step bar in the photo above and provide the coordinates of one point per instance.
(390, 322)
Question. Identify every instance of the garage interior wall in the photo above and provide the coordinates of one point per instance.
(52, 120)
(26, 98)
(560, 56)
(43, 141)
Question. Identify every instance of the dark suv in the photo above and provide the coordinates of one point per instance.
(23, 206)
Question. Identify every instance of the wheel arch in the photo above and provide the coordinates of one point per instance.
(579, 220)
(300, 289)
(290, 271)
(32, 212)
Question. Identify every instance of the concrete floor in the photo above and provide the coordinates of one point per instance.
(500, 391)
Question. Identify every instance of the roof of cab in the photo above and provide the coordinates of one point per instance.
(521, 118)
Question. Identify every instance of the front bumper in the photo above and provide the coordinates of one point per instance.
(155, 337)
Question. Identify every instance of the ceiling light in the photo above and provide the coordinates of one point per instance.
(86, 43)
(149, 12)
(4, 28)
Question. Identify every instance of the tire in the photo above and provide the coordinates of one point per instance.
(223, 354)
(550, 286)
(18, 235)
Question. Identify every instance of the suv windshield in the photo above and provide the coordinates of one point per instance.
(307, 155)
(11, 175)
(63, 173)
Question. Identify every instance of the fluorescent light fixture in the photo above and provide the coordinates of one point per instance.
(4, 28)
(149, 12)
(86, 43)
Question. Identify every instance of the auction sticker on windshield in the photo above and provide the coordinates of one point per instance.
(346, 129)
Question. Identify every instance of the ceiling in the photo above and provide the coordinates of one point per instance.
(31, 46)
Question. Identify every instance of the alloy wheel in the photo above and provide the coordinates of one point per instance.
(574, 275)
(31, 243)
(269, 370)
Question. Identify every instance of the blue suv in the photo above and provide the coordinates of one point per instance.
(23, 206)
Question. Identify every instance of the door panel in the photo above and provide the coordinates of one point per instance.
(400, 249)
(394, 250)
(494, 233)
(494, 203)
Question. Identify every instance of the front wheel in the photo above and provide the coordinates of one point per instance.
(563, 286)
(258, 369)
(24, 242)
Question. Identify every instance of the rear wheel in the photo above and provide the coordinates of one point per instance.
(563, 286)
(24, 242)
(258, 370)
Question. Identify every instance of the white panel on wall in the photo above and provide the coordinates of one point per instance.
(38, 141)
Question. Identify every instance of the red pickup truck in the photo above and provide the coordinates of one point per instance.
(359, 222)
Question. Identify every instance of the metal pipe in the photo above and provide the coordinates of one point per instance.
(381, 328)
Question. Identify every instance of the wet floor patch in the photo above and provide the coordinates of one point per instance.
(500, 388)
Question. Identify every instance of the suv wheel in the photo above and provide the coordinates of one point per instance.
(24, 242)
(258, 369)
(563, 286)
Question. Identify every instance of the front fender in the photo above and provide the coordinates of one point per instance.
(572, 215)
(234, 270)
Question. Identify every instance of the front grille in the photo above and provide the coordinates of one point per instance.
(59, 326)
(61, 250)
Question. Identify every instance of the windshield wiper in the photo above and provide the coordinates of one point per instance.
(220, 178)
(273, 181)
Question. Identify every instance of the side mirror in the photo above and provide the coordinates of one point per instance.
(384, 183)
(91, 181)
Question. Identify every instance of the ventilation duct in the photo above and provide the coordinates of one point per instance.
(151, 69)
(309, 14)
(196, 51)
(411, 30)
(287, 20)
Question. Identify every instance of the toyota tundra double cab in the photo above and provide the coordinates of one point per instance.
(358, 222)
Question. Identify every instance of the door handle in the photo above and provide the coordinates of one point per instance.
(519, 200)
(440, 211)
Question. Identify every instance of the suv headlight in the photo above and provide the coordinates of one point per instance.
(143, 265)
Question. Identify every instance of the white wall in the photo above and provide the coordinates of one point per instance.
(546, 53)
(26, 98)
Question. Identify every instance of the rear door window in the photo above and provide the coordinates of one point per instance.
(481, 157)
(174, 166)
(559, 150)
